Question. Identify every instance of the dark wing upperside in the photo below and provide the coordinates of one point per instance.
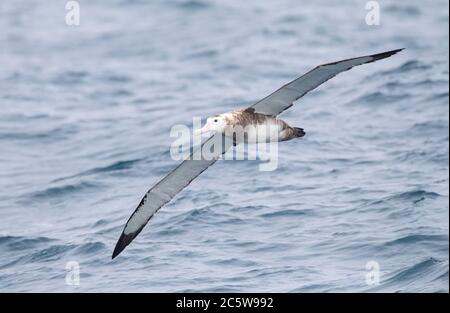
(284, 97)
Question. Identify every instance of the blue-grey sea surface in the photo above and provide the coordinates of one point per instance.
(360, 204)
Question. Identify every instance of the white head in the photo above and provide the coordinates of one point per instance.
(216, 123)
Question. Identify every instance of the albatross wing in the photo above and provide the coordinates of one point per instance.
(284, 97)
(169, 186)
(190, 168)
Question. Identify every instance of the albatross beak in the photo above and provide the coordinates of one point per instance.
(205, 129)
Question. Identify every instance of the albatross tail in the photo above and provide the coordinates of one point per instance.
(299, 132)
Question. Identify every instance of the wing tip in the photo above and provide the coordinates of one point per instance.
(121, 244)
(386, 54)
(372, 58)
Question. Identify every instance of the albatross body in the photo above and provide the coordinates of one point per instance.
(248, 126)
(257, 123)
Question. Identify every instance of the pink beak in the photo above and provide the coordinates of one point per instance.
(205, 129)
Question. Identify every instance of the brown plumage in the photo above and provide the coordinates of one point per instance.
(248, 117)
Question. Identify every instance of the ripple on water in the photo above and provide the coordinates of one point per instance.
(19, 243)
(419, 277)
(63, 191)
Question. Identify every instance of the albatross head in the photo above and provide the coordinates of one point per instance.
(216, 123)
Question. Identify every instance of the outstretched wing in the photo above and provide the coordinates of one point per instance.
(284, 97)
(190, 168)
(170, 185)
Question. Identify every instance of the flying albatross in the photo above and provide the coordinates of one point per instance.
(261, 115)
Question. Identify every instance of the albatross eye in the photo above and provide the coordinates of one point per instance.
(216, 120)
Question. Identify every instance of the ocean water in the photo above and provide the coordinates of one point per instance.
(85, 120)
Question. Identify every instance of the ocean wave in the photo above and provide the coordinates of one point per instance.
(19, 243)
(52, 253)
(62, 191)
(286, 213)
(380, 98)
(193, 4)
(42, 136)
(114, 167)
(413, 65)
(418, 238)
(412, 196)
(90, 248)
(419, 277)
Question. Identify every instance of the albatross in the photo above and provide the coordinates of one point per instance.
(262, 116)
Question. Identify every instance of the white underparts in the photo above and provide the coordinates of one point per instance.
(270, 131)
